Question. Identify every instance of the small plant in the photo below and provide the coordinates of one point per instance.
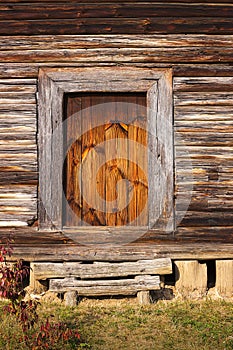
(11, 288)
(51, 334)
(25, 311)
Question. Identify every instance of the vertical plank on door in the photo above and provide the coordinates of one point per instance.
(86, 144)
(112, 174)
(137, 172)
(72, 189)
(121, 112)
(92, 136)
(97, 112)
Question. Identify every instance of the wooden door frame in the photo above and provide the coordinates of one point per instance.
(157, 83)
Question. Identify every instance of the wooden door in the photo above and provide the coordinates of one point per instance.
(105, 169)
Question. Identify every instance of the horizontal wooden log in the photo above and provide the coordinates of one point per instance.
(211, 114)
(18, 129)
(20, 106)
(16, 149)
(13, 222)
(20, 137)
(101, 270)
(19, 118)
(14, 166)
(181, 127)
(32, 245)
(203, 161)
(14, 98)
(20, 177)
(51, 42)
(175, 25)
(201, 250)
(204, 206)
(203, 98)
(106, 287)
(215, 233)
(202, 175)
(17, 201)
(17, 212)
(61, 11)
(203, 201)
(204, 138)
(24, 189)
(34, 248)
(196, 151)
(120, 1)
(18, 141)
(16, 88)
(216, 125)
(120, 54)
(210, 190)
(206, 84)
(220, 218)
(204, 189)
(19, 70)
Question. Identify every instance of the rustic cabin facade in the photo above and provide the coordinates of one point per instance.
(116, 144)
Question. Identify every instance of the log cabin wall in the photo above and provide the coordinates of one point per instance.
(194, 39)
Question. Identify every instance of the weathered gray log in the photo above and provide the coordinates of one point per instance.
(70, 298)
(35, 285)
(106, 287)
(144, 297)
(121, 54)
(205, 84)
(100, 269)
(224, 278)
(138, 48)
(191, 278)
(18, 70)
(144, 41)
(192, 242)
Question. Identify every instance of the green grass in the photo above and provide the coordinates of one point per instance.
(123, 324)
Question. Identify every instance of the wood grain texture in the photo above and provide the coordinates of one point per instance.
(51, 42)
(191, 54)
(191, 278)
(103, 165)
(32, 245)
(44, 271)
(203, 124)
(127, 24)
(72, 156)
(100, 80)
(111, 1)
(224, 278)
(141, 50)
(106, 287)
(72, 10)
(18, 152)
(203, 71)
(138, 162)
(26, 70)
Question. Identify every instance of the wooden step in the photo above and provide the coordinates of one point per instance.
(105, 287)
(42, 271)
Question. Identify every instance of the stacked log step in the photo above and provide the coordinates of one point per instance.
(101, 278)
